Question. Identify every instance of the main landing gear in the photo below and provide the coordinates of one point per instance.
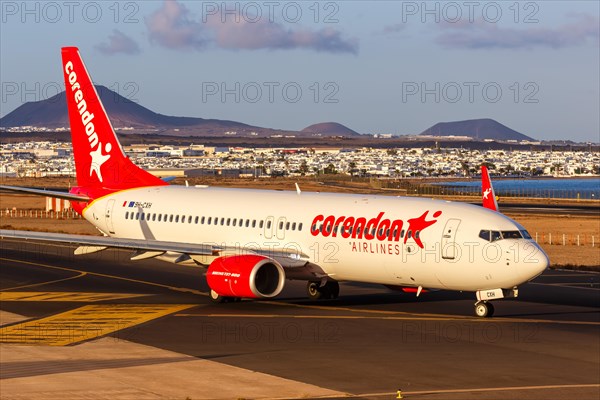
(328, 290)
(217, 298)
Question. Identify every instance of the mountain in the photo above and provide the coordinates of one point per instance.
(484, 128)
(330, 129)
(124, 113)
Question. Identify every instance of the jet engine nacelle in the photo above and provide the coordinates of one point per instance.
(250, 276)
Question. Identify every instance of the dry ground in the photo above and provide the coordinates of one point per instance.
(571, 226)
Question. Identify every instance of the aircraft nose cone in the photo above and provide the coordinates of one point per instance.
(537, 263)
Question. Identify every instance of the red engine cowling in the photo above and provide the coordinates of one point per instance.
(249, 276)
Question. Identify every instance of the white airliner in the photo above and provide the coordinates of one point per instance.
(251, 241)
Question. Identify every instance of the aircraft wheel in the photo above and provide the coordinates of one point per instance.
(484, 309)
(334, 289)
(330, 290)
(314, 291)
(217, 298)
(490, 310)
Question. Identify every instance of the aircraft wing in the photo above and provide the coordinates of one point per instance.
(107, 241)
(148, 248)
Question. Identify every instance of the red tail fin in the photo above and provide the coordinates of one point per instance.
(99, 159)
(489, 197)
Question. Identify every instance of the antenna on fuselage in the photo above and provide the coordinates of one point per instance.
(298, 188)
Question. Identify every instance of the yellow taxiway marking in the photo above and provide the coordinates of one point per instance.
(178, 289)
(476, 390)
(331, 317)
(324, 308)
(64, 296)
(368, 311)
(79, 275)
(413, 317)
(569, 285)
(453, 391)
(85, 323)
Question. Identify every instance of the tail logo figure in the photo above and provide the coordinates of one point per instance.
(98, 159)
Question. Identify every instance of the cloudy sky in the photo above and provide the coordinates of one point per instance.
(376, 67)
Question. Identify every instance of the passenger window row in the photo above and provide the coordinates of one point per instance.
(222, 221)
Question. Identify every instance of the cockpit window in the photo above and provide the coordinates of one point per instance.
(525, 234)
(511, 235)
(492, 236)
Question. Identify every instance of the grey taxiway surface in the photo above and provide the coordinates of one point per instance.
(367, 344)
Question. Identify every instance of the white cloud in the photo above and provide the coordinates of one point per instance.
(118, 42)
(485, 35)
(173, 26)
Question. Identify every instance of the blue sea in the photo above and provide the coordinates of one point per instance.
(550, 187)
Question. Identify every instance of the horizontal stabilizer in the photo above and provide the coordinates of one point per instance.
(49, 193)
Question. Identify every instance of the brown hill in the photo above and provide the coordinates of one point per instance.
(123, 113)
(330, 129)
(478, 129)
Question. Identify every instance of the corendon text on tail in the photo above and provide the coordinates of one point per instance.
(249, 242)
(86, 119)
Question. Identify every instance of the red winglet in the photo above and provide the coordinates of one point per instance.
(489, 197)
(100, 162)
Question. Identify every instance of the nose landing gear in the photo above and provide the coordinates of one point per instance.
(484, 309)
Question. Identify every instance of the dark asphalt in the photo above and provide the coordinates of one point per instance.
(369, 342)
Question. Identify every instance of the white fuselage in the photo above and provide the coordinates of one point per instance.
(410, 241)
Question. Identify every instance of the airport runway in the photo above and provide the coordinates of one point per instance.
(367, 344)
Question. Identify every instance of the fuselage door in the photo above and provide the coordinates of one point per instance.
(449, 250)
(109, 211)
(280, 228)
(268, 228)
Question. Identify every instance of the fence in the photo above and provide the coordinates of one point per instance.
(564, 239)
(474, 190)
(505, 193)
(16, 213)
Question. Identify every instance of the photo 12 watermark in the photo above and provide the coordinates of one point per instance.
(53, 12)
(271, 92)
(490, 92)
(290, 12)
(23, 92)
(269, 331)
(435, 332)
(454, 12)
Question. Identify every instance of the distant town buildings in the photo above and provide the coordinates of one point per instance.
(55, 159)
